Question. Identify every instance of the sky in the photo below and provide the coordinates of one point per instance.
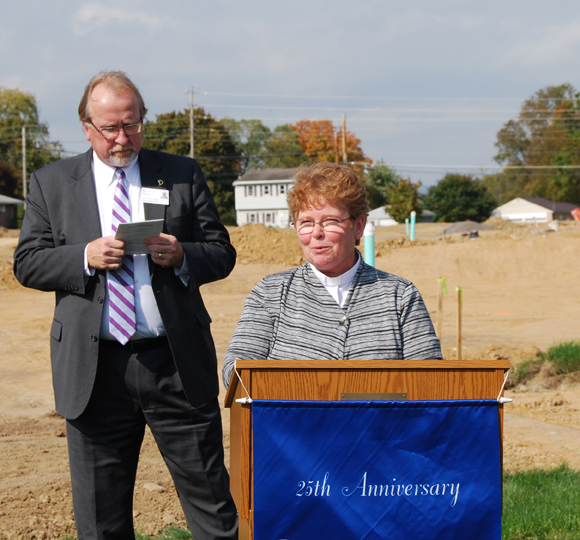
(424, 85)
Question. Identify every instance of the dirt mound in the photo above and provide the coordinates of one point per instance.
(500, 224)
(9, 233)
(258, 244)
(462, 227)
(7, 280)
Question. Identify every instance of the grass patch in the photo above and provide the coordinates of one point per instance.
(171, 533)
(563, 357)
(541, 505)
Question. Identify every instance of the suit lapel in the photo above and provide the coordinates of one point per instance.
(84, 199)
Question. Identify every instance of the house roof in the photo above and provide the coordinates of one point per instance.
(551, 205)
(379, 212)
(9, 200)
(269, 174)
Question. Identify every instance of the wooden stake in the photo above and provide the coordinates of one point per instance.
(459, 306)
(440, 310)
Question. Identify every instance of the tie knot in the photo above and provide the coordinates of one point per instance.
(121, 174)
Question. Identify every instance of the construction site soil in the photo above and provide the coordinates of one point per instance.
(521, 295)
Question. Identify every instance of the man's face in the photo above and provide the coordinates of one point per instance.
(110, 108)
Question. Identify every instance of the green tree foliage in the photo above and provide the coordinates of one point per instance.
(378, 179)
(545, 134)
(250, 137)
(283, 149)
(403, 198)
(216, 151)
(19, 109)
(261, 148)
(459, 197)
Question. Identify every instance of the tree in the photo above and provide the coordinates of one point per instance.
(459, 197)
(546, 134)
(214, 148)
(283, 149)
(317, 139)
(9, 181)
(378, 179)
(251, 137)
(404, 198)
(18, 109)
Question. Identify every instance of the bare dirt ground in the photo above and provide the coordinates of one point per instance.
(521, 294)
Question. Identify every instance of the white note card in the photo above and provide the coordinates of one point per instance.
(133, 235)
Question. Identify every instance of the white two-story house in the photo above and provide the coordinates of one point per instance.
(261, 196)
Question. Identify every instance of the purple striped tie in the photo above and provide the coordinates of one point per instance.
(121, 282)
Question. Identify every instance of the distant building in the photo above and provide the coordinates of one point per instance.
(9, 211)
(534, 209)
(379, 217)
(261, 196)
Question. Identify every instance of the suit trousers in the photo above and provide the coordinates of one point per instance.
(132, 389)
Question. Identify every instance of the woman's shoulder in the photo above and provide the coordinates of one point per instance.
(370, 274)
(281, 277)
(273, 282)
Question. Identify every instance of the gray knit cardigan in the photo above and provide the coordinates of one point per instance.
(291, 316)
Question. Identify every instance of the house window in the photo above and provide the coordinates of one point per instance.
(268, 218)
(266, 190)
(251, 218)
(282, 189)
(250, 191)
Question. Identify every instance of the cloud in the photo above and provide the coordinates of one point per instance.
(550, 45)
(418, 21)
(94, 15)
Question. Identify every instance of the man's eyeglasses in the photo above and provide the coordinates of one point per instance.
(112, 132)
(329, 224)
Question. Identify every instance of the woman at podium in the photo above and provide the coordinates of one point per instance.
(335, 306)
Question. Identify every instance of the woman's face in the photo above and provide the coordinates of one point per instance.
(331, 251)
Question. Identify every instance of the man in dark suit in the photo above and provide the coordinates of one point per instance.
(130, 341)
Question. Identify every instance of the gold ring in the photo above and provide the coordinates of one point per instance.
(159, 256)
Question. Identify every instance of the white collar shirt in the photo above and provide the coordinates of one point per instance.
(339, 286)
(148, 318)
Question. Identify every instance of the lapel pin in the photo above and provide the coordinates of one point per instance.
(160, 182)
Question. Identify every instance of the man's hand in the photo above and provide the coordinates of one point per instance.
(105, 253)
(165, 250)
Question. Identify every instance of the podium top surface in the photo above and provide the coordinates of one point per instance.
(273, 366)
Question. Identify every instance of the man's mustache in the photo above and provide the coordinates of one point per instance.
(121, 148)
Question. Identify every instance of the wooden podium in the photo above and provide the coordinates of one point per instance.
(329, 380)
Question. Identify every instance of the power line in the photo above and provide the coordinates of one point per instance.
(480, 167)
(373, 98)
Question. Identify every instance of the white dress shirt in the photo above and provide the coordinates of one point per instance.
(148, 318)
(339, 286)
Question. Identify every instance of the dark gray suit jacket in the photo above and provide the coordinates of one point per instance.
(62, 218)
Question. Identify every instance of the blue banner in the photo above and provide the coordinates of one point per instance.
(376, 470)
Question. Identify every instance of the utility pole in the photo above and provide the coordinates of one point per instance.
(24, 182)
(336, 147)
(344, 138)
(191, 151)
